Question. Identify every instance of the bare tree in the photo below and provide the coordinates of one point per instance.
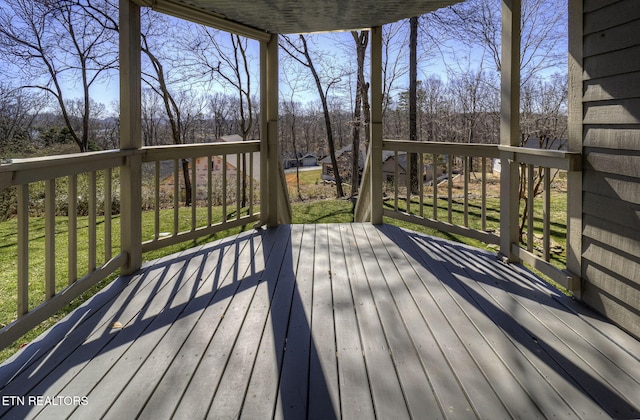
(544, 126)
(230, 64)
(413, 98)
(393, 41)
(477, 23)
(220, 111)
(361, 114)
(300, 53)
(475, 95)
(18, 110)
(156, 78)
(152, 120)
(51, 44)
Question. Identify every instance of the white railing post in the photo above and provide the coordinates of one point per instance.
(375, 163)
(130, 135)
(509, 126)
(269, 155)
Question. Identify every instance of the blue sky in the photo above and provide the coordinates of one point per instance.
(336, 49)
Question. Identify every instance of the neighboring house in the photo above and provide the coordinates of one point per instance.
(306, 160)
(343, 156)
(167, 182)
(389, 166)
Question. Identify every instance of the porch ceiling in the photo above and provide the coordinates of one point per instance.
(300, 16)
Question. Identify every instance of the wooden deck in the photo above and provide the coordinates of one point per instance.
(327, 321)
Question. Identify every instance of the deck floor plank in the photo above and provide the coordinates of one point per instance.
(462, 385)
(204, 380)
(386, 391)
(167, 393)
(294, 386)
(151, 327)
(218, 388)
(258, 400)
(355, 393)
(323, 366)
(416, 387)
(329, 321)
(419, 312)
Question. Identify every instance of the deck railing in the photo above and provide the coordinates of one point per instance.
(79, 195)
(444, 196)
(543, 209)
(83, 187)
(457, 189)
(224, 185)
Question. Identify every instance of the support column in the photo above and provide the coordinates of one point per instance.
(375, 164)
(574, 178)
(269, 154)
(509, 125)
(130, 135)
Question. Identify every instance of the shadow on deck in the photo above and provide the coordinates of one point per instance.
(327, 321)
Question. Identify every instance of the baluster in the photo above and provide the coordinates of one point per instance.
(546, 214)
(156, 214)
(210, 162)
(530, 203)
(434, 161)
(421, 183)
(194, 188)
(449, 188)
(224, 188)
(484, 194)
(23, 249)
(176, 196)
(92, 222)
(72, 247)
(50, 238)
(108, 199)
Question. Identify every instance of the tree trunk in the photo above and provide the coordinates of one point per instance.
(361, 109)
(355, 145)
(187, 183)
(413, 98)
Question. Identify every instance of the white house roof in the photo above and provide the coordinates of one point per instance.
(298, 16)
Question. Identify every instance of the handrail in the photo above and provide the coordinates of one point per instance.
(26, 171)
(21, 173)
(185, 151)
(554, 159)
(536, 165)
(228, 188)
(443, 148)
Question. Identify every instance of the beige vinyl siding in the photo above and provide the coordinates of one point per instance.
(611, 160)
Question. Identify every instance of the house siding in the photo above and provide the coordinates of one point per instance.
(611, 160)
